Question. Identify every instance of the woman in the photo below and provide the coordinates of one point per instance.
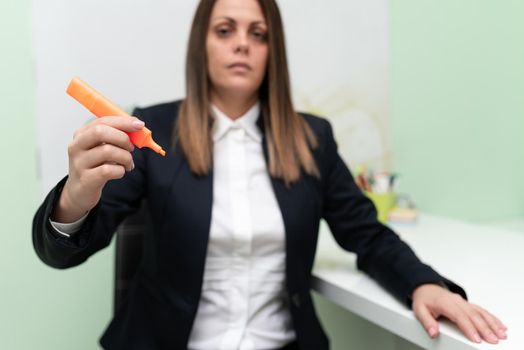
(235, 205)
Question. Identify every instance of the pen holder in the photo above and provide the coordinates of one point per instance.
(383, 202)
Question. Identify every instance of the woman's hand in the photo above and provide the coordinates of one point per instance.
(100, 151)
(430, 301)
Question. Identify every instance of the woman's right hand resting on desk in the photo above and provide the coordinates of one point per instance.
(100, 151)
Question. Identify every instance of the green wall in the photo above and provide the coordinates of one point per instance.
(41, 308)
(457, 97)
(457, 117)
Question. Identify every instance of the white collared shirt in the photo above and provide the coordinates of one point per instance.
(243, 303)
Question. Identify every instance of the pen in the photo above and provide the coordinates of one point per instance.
(393, 179)
(100, 106)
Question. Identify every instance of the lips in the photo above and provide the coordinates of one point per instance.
(239, 65)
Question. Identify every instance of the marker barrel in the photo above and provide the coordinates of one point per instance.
(100, 106)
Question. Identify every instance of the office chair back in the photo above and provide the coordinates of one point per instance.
(129, 246)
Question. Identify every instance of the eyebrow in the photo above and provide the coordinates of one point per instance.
(229, 19)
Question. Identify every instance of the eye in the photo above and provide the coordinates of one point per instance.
(259, 35)
(223, 32)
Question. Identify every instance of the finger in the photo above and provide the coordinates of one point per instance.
(105, 153)
(100, 133)
(494, 323)
(496, 320)
(103, 173)
(452, 309)
(427, 320)
(483, 327)
(123, 123)
(456, 314)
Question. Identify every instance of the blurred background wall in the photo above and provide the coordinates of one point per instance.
(457, 106)
(457, 82)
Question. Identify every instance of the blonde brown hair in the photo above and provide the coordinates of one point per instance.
(289, 137)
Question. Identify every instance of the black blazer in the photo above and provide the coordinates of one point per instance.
(163, 300)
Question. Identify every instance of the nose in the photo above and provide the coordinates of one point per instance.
(242, 43)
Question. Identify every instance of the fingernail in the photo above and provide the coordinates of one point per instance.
(492, 337)
(132, 166)
(138, 124)
(476, 337)
(432, 332)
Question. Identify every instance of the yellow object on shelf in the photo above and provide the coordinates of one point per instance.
(383, 202)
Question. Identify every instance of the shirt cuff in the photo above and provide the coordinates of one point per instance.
(68, 229)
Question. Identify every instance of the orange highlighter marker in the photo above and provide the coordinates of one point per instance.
(101, 106)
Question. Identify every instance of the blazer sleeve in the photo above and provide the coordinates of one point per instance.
(119, 199)
(352, 219)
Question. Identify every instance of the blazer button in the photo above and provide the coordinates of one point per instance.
(295, 298)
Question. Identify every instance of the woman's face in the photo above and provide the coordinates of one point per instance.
(236, 45)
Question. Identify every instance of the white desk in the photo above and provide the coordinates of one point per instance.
(487, 261)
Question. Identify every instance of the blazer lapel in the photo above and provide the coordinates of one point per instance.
(186, 226)
(288, 198)
(301, 215)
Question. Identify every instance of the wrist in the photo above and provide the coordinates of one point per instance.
(428, 287)
(66, 210)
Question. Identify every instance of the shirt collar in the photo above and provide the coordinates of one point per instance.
(248, 122)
